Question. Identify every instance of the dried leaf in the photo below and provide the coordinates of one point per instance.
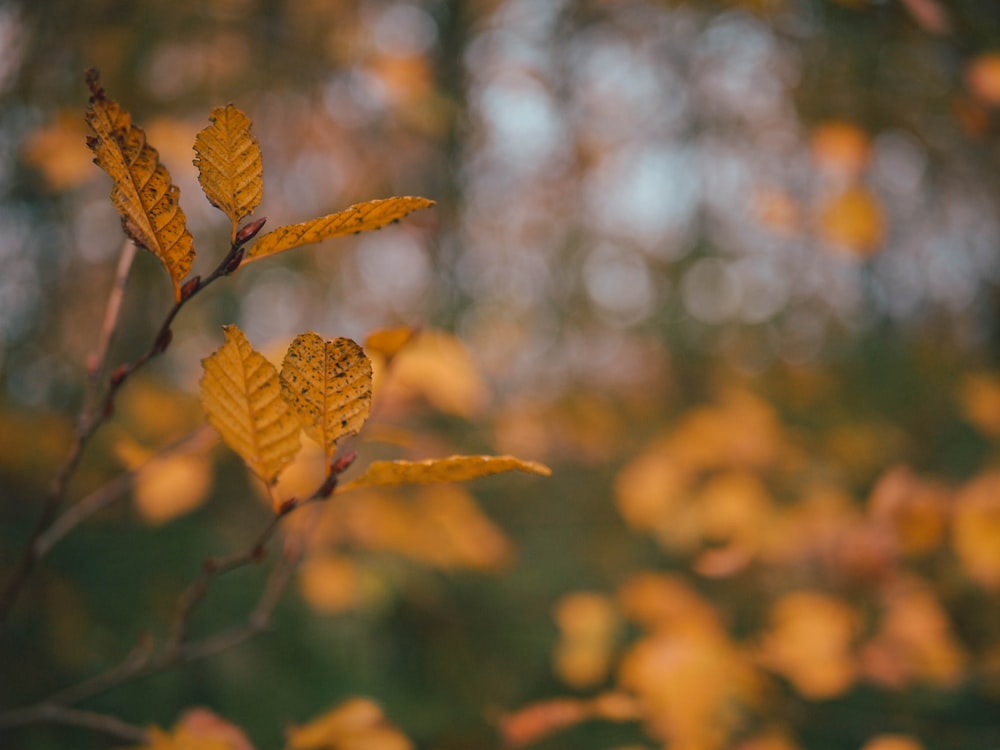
(892, 742)
(182, 739)
(451, 469)
(388, 341)
(143, 191)
(230, 168)
(331, 583)
(206, 726)
(356, 724)
(976, 528)
(854, 221)
(57, 150)
(537, 721)
(241, 394)
(329, 385)
(439, 368)
(840, 147)
(588, 624)
(170, 483)
(810, 643)
(361, 217)
(438, 526)
(982, 76)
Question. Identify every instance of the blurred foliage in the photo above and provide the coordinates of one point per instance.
(729, 267)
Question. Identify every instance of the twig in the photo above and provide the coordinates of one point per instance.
(91, 419)
(144, 661)
(97, 361)
(136, 663)
(48, 713)
(212, 569)
(259, 618)
(104, 496)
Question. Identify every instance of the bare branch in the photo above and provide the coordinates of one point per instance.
(97, 361)
(48, 713)
(104, 496)
(91, 419)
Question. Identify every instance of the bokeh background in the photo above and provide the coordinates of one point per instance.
(730, 268)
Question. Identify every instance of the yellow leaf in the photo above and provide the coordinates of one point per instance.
(241, 394)
(143, 191)
(172, 486)
(170, 483)
(976, 528)
(356, 724)
(438, 526)
(329, 385)
(360, 217)
(182, 739)
(893, 742)
(840, 147)
(982, 76)
(810, 643)
(451, 469)
(388, 341)
(915, 642)
(709, 678)
(588, 624)
(438, 367)
(331, 583)
(57, 150)
(854, 221)
(537, 721)
(979, 399)
(230, 168)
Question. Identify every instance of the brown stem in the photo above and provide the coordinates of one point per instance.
(104, 496)
(90, 420)
(143, 661)
(212, 569)
(48, 713)
(97, 362)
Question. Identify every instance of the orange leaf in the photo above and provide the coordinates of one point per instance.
(434, 470)
(854, 221)
(241, 394)
(361, 217)
(143, 191)
(229, 163)
(329, 385)
(356, 724)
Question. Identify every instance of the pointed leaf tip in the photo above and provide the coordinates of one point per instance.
(361, 217)
(436, 470)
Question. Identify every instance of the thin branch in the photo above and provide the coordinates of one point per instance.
(48, 713)
(136, 663)
(144, 661)
(259, 618)
(104, 496)
(212, 569)
(91, 419)
(97, 361)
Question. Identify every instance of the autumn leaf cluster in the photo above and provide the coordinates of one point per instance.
(843, 591)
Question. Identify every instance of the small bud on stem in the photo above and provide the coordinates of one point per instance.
(249, 231)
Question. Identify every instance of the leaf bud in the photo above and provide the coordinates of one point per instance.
(119, 375)
(163, 341)
(235, 258)
(190, 287)
(343, 463)
(249, 231)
